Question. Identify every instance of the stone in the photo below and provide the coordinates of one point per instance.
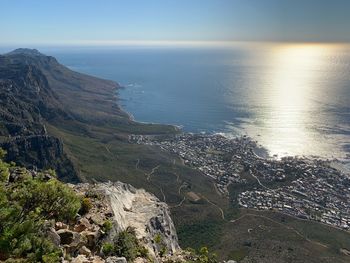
(82, 225)
(53, 236)
(140, 260)
(116, 260)
(77, 242)
(85, 222)
(97, 219)
(91, 238)
(79, 228)
(18, 175)
(85, 251)
(80, 259)
(142, 211)
(60, 225)
(97, 259)
(231, 261)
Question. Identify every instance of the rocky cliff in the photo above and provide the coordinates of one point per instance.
(27, 103)
(127, 208)
(144, 212)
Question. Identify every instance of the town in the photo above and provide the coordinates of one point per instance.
(307, 188)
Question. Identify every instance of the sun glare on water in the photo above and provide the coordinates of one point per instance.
(288, 95)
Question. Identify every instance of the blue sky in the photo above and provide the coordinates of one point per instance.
(105, 21)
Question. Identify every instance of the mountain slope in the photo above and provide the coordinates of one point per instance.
(36, 93)
(26, 102)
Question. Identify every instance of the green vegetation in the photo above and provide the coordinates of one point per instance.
(125, 245)
(238, 254)
(157, 238)
(86, 205)
(25, 205)
(107, 249)
(107, 226)
(202, 255)
(200, 234)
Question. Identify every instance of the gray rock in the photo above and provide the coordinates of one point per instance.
(80, 259)
(85, 251)
(116, 260)
(60, 225)
(54, 237)
(82, 225)
(145, 213)
(91, 238)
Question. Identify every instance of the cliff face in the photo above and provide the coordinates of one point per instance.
(27, 102)
(127, 208)
(143, 211)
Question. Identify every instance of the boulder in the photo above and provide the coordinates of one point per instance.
(97, 219)
(91, 237)
(60, 225)
(53, 236)
(116, 260)
(97, 259)
(140, 260)
(82, 225)
(80, 259)
(85, 251)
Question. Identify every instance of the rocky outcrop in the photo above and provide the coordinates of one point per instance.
(124, 207)
(144, 212)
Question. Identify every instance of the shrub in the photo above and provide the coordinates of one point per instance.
(158, 238)
(163, 251)
(24, 207)
(2, 154)
(202, 256)
(107, 249)
(86, 205)
(107, 226)
(49, 200)
(127, 245)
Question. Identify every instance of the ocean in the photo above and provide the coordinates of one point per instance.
(294, 99)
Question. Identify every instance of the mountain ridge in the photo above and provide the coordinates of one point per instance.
(36, 92)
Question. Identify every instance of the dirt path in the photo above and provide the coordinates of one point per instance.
(179, 204)
(137, 164)
(109, 152)
(182, 186)
(279, 223)
(218, 207)
(161, 190)
(152, 172)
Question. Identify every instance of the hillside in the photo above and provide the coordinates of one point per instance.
(44, 220)
(37, 92)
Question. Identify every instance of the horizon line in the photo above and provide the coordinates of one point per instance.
(160, 43)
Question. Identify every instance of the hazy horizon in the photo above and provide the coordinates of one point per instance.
(173, 22)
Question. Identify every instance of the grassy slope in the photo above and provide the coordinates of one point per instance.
(101, 156)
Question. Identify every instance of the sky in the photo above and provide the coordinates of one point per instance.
(132, 21)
